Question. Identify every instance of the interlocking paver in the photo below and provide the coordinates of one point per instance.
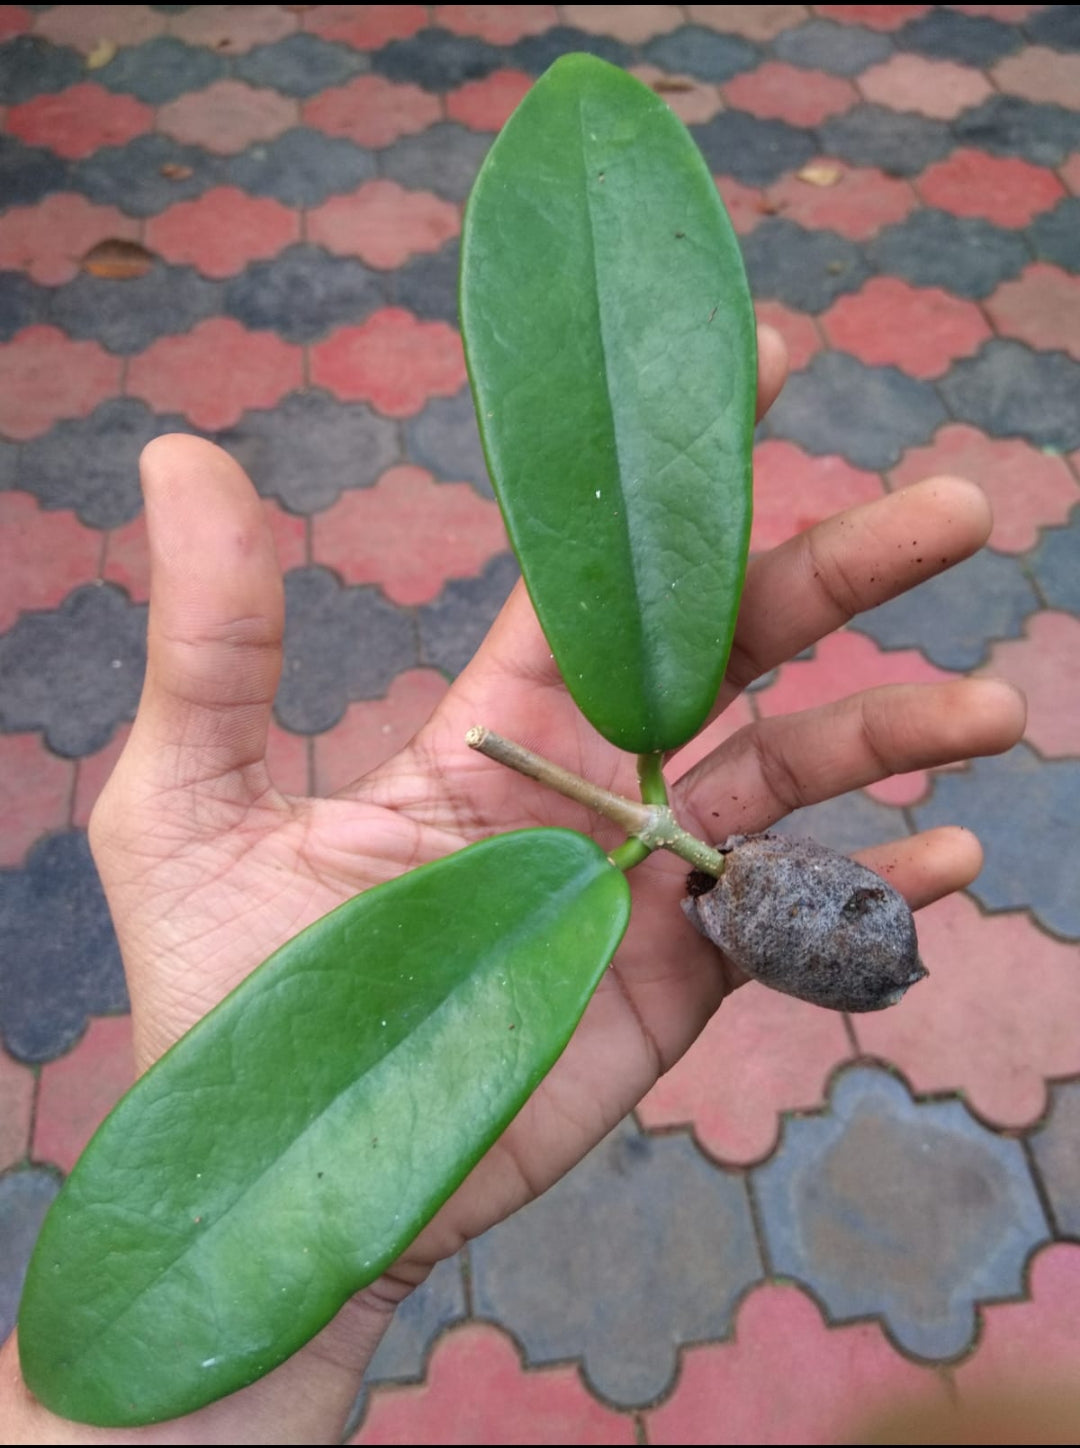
(788, 1376)
(25, 1197)
(22, 303)
(221, 231)
(948, 35)
(215, 372)
(310, 447)
(642, 1248)
(888, 323)
(632, 23)
(90, 464)
(807, 270)
(77, 121)
(45, 556)
(966, 256)
(372, 111)
(1015, 797)
(227, 117)
(161, 69)
(777, 91)
(977, 1026)
(427, 285)
(301, 168)
(486, 104)
(340, 644)
(302, 293)
(127, 315)
(901, 144)
(366, 27)
(373, 730)
(703, 54)
(394, 361)
(436, 60)
(1010, 126)
(553, 1401)
(940, 89)
(756, 152)
(1009, 390)
(908, 1212)
(84, 26)
(30, 66)
(303, 180)
(762, 1054)
(453, 627)
(793, 490)
(53, 912)
(1040, 307)
(383, 223)
(148, 175)
(78, 1089)
(1045, 497)
(232, 29)
(48, 240)
(497, 24)
(954, 616)
(833, 48)
(869, 414)
(1053, 565)
(1054, 1149)
(1055, 235)
(444, 438)
(45, 377)
(74, 672)
(35, 795)
(447, 532)
(444, 160)
(17, 1087)
(855, 201)
(299, 65)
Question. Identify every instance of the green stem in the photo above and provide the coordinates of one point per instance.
(630, 853)
(652, 826)
(650, 773)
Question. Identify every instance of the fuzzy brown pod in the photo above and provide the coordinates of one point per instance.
(807, 921)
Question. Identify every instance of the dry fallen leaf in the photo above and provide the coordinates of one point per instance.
(174, 171)
(101, 54)
(118, 260)
(669, 83)
(820, 173)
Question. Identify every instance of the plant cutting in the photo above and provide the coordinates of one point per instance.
(609, 336)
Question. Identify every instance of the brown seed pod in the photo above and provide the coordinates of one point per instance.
(810, 922)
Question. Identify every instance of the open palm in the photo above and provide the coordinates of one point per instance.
(209, 868)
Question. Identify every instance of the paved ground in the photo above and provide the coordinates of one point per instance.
(810, 1214)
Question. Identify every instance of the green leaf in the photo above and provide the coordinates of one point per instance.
(610, 340)
(289, 1148)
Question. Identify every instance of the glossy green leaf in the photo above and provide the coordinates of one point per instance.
(610, 340)
(288, 1149)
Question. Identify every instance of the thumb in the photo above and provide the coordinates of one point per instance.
(216, 621)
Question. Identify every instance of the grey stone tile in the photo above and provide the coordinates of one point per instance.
(902, 144)
(966, 256)
(161, 69)
(59, 960)
(444, 439)
(1024, 810)
(300, 65)
(1054, 565)
(807, 270)
(437, 60)
(127, 316)
(74, 672)
(303, 293)
(454, 626)
(25, 1197)
(693, 50)
(1008, 390)
(1056, 1148)
(301, 167)
(756, 152)
(309, 448)
(836, 49)
(30, 66)
(642, 1248)
(445, 159)
(913, 1213)
(340, 644)
(871, 415)
(147, 175)
(1011, 126)
(955, 617)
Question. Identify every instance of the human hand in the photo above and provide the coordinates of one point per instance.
(209, 868)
